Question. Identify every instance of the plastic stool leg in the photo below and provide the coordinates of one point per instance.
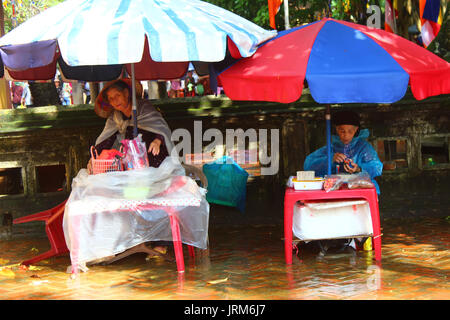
(40, 216)
(191, 251)
(288, 213)
(375, 215)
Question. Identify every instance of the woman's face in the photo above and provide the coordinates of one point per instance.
(346, 132)
(118, 99)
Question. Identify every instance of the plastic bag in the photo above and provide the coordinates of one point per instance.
(109, 154)
(332, 182)
(227, 183)
(360, 180)
(135, 153)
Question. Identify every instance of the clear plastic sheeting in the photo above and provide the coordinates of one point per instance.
(109, 213)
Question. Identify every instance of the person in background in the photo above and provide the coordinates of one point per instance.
(190, 85)
(176, 88)
(16, 94)
(87, 92)
(27, 99)
(59, 89)
(66, 94)
(199, 88)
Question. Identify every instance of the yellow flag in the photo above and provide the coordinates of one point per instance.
(5, 95)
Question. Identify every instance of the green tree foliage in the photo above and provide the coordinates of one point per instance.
(300, 11)
(24, 10)
(253, 10)
(441, 44)
(306, 11)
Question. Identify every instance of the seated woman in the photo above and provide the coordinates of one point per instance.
(351, 152)
(114, 103)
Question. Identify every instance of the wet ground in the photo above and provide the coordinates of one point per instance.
(245, 262)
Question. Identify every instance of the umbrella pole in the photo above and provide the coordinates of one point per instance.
(133, 101)
(328, 122)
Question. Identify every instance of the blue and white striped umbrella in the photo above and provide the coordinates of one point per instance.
(85, 36)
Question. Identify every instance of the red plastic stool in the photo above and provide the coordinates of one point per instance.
(53, 227)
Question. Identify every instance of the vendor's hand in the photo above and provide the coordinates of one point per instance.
(351, 167)
(339, 157)
(154, 147)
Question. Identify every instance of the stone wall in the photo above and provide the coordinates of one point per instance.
(58, 137)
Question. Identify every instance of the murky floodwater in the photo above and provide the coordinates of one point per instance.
(246, 262)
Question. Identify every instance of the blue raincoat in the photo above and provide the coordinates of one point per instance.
(359, 150)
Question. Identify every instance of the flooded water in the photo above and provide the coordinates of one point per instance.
(245, 262)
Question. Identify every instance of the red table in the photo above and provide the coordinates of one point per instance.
(291, 196)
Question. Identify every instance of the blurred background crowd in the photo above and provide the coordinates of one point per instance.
(67, 93)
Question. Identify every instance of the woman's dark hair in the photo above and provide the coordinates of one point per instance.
(119, 85)
(347, 117)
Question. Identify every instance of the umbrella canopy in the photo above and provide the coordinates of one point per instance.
(92, 40)
(342, 62)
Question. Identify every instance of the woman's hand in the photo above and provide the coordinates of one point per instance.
(350, 166)
(154, 147)
(339, 157)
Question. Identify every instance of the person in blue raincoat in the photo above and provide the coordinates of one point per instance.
(350, 149)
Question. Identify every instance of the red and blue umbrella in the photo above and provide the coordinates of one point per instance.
(341, 62)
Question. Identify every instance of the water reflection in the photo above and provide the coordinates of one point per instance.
(247, 262)
(333, 275)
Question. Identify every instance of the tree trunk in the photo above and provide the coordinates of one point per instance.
(94, 88)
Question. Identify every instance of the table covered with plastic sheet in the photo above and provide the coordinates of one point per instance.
(109, 213)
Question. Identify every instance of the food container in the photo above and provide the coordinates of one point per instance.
(305, 175)
(315, 184)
